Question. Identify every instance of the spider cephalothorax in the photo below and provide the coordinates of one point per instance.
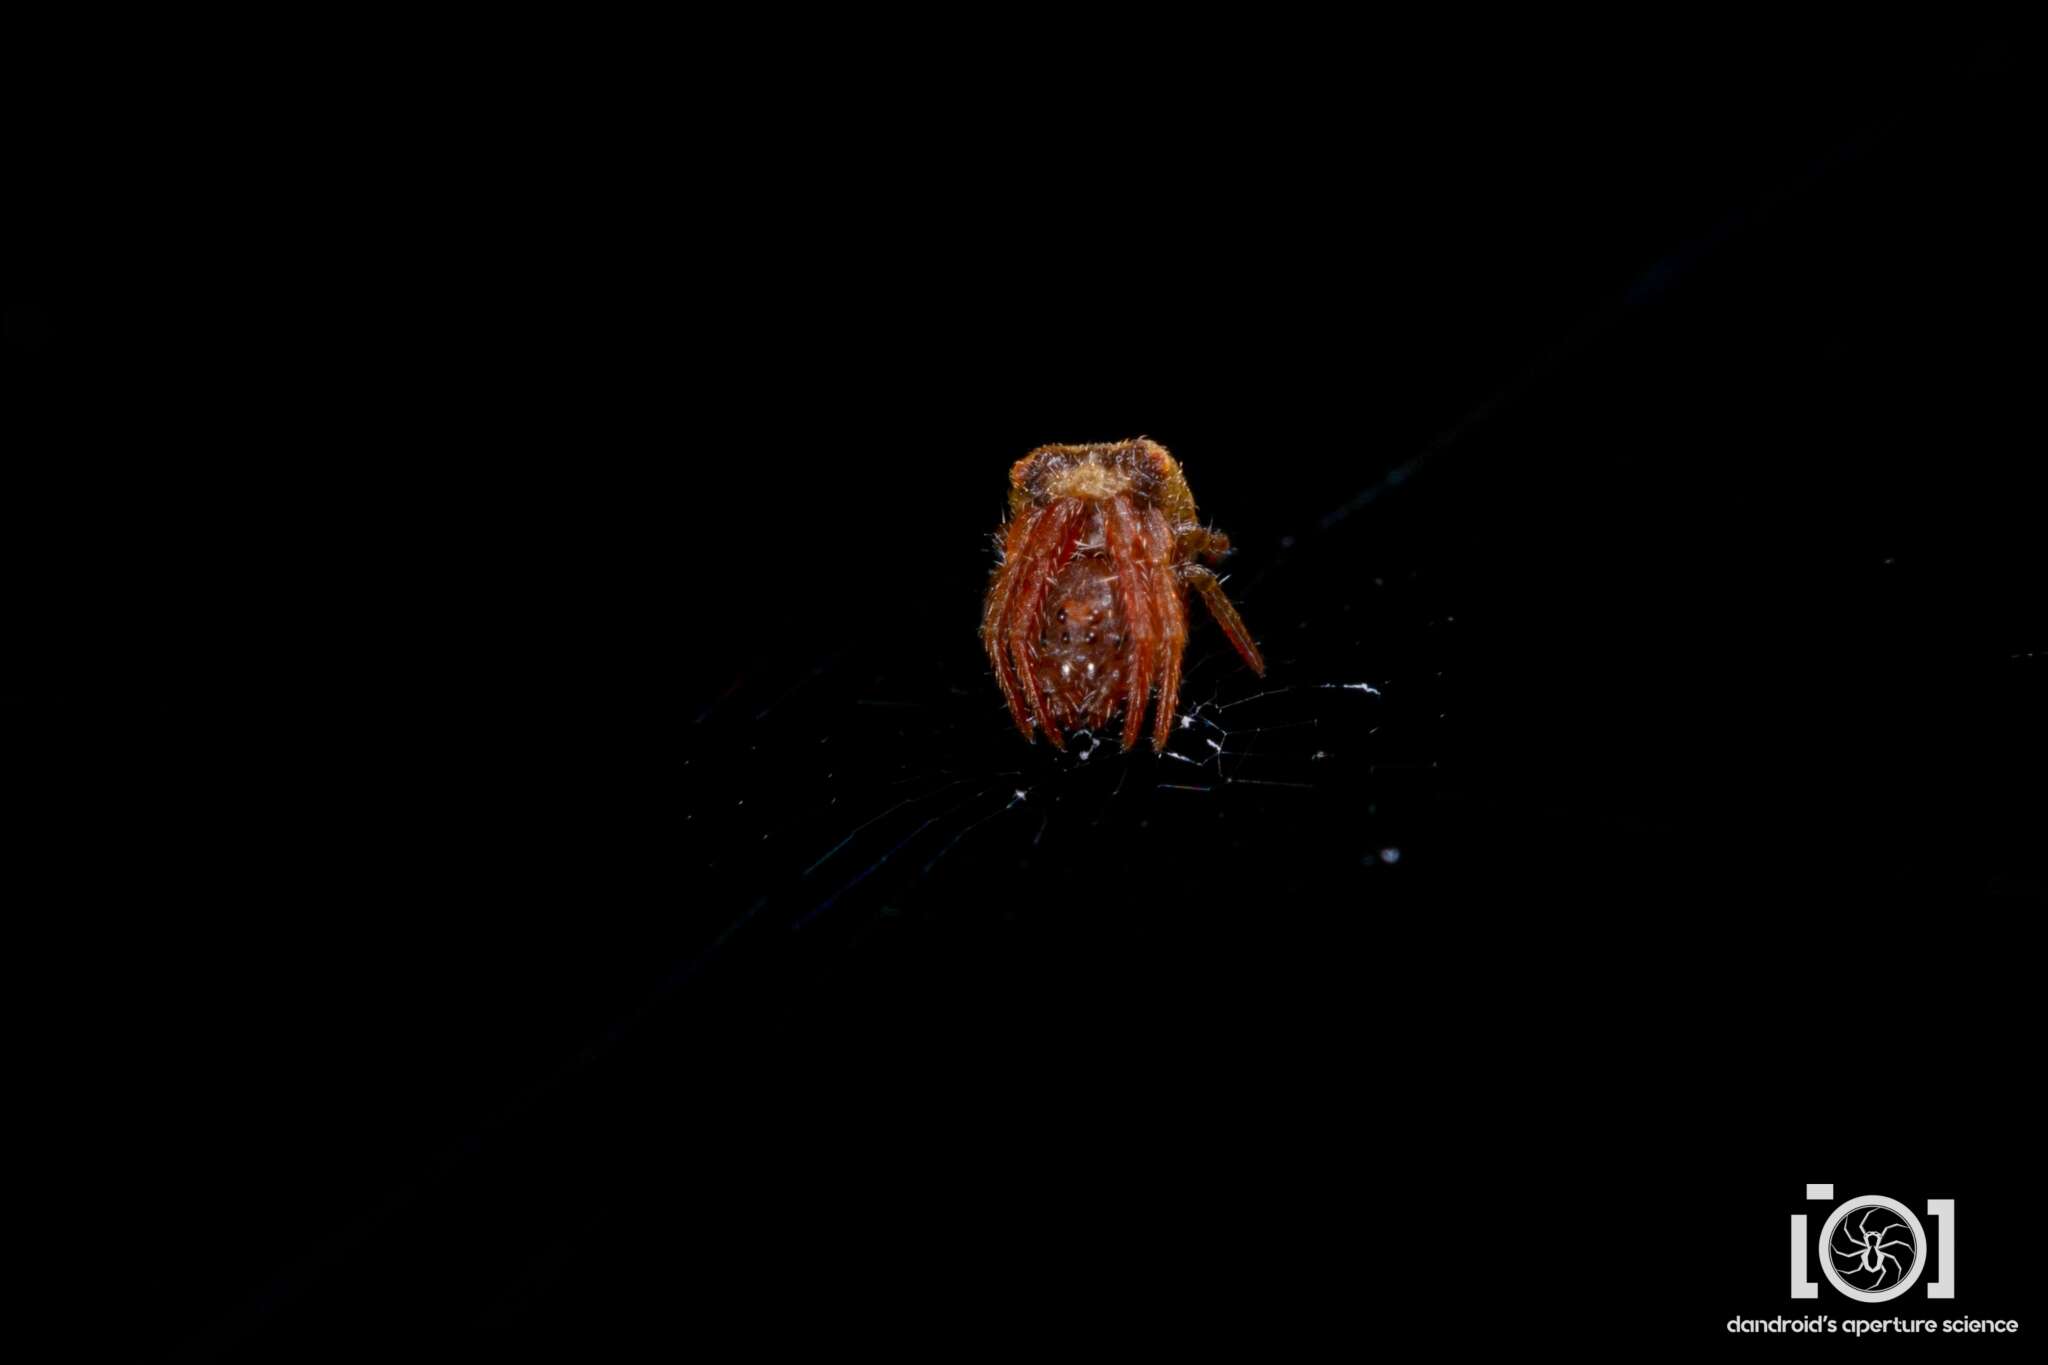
(1088, 610)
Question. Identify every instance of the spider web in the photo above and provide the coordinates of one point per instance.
(927, 802)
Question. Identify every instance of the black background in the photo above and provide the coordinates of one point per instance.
(545, 860)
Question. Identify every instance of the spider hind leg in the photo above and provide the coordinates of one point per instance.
(1141, 626)
(1211, 587)
(1037, 549)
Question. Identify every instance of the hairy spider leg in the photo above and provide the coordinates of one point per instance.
(1173, 613)
(1211, 588)
(1030, 540)
(996, 616)
(1107, 697)
(1200, 540)
(1049, 547)
(1212, 545)
(1128, 551)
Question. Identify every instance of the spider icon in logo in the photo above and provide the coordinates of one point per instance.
(1872, 1248)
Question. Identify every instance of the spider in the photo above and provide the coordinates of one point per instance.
(1088, 608)
(1871, 1254)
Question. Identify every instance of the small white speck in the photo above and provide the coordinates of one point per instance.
(1390, 855)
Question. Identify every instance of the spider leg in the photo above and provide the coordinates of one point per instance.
(1887, 1256)
(1200, 540)
(1211, 588)
(1169, 678)
(1903, 1246)
(995, 620)
(998, 651)
(1109, 689)
(1105, 701)
(1051, 545)
(1171, 605)
(1121, 537)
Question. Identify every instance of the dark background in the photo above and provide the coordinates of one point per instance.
(546, 862)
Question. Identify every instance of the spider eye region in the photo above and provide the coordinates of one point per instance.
(1090, 482)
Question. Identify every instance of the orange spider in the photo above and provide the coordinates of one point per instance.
(1088, 610)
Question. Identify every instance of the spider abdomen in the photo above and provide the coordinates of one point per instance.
(1082, 640)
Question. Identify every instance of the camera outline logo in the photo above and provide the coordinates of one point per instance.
(1861, 1243)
